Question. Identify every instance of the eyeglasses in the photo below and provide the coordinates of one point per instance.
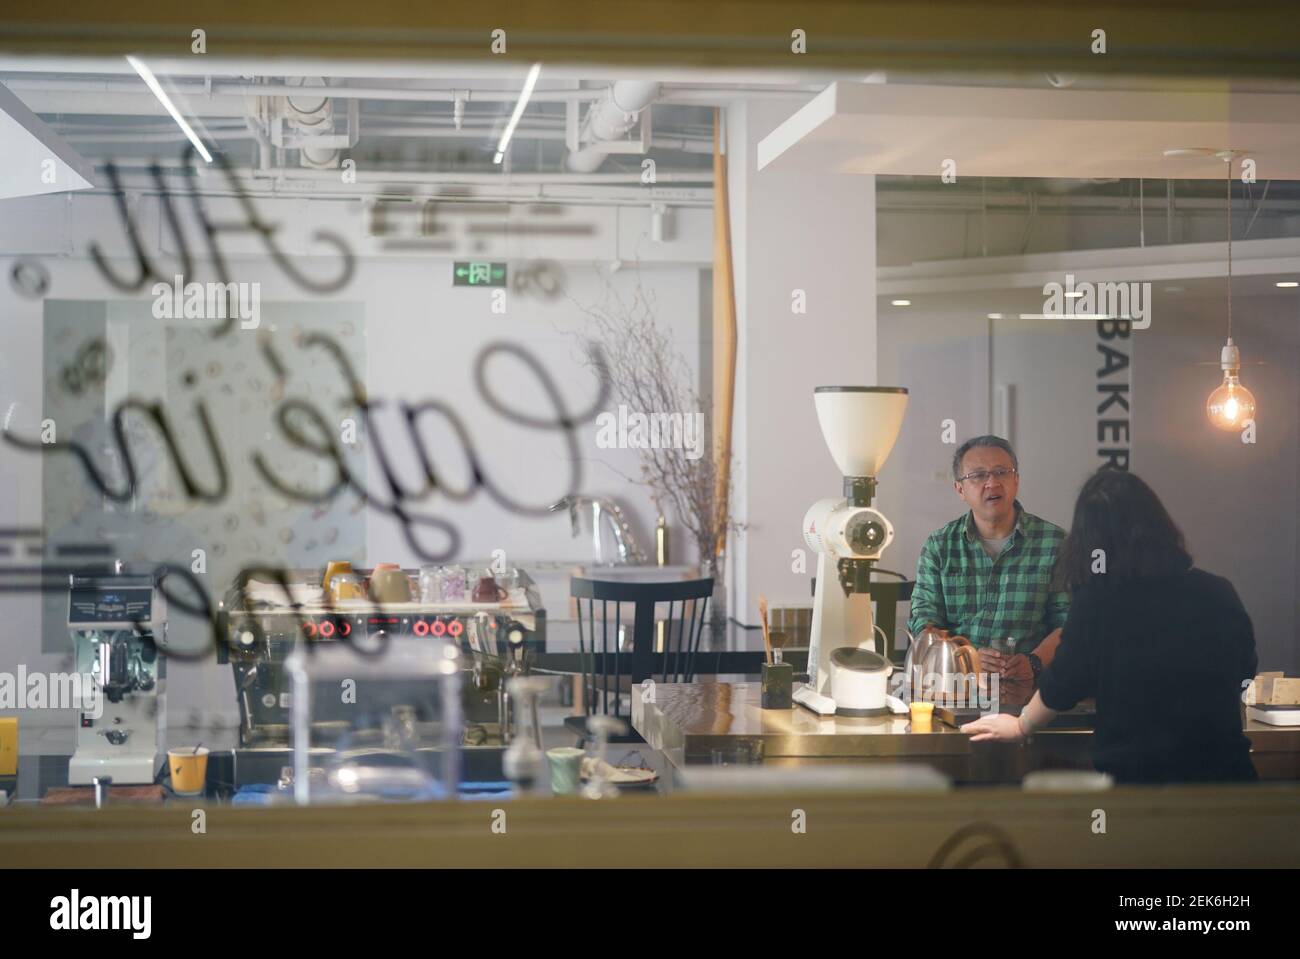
(980, 477)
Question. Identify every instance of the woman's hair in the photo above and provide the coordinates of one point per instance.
(1118, 513)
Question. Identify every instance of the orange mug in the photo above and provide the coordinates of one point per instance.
(488, 590)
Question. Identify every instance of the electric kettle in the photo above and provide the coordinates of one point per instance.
(947, 662)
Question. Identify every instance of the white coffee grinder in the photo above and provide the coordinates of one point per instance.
(845, 675)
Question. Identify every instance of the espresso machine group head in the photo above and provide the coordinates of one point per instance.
(860, 425)
(118, 626)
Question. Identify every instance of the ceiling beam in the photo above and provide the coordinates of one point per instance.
(1187, 38)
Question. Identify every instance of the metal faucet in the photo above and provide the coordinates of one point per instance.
(604, 513)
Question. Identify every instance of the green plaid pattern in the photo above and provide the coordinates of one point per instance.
(960, 589)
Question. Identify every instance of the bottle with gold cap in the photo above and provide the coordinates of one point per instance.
(661, 542)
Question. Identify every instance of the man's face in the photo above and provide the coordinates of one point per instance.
(992, 500)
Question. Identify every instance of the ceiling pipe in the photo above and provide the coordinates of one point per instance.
(400, 132)
(610, 118)
(310, 114)
(565, 190)
(702, 177)
(343, 91)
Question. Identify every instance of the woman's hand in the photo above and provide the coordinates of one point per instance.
(999, 728)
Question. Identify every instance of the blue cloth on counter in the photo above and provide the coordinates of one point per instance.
(255, 794)
(264, 794)
(486, 790)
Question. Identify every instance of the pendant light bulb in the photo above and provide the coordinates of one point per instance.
(1231, 405)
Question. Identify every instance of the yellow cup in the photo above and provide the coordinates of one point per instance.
(334, 567)
(8, 745)
(922, 714)
(189, 770)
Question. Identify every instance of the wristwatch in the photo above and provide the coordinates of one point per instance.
(1035, 664)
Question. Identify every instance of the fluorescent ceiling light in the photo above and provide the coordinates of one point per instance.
(1287, 284)
(995, 316)
(900, 302)
(152, 82)
(1074, 294)
(524, 94)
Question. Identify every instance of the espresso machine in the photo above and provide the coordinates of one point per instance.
(262, 623)
(118, 626)
(845, 675)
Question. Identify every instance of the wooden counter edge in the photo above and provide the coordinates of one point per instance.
(1185, 827)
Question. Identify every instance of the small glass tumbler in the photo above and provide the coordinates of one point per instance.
(430, 590)
(1006, 645)
(451, 584)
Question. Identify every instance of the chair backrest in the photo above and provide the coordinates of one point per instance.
(600, 626)
(887, 596)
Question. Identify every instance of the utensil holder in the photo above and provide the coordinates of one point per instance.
(778, 686)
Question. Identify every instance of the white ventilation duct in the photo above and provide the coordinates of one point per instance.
(311, 114)
(610, 118)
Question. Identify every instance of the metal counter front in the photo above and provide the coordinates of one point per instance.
(705, 722)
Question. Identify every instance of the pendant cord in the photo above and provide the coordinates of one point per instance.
(1229, 248)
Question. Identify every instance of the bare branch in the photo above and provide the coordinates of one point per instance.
(650, 375)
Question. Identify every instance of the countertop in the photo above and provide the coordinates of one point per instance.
(703, 722)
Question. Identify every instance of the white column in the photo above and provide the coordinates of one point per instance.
(814, 233)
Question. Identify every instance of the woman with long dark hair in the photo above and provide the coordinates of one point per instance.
(1163, 646)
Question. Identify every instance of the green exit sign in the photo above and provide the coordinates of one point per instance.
(478, 274)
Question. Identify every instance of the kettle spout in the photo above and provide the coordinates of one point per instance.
(571, 504)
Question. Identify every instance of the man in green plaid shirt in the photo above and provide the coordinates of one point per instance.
(986, 575)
